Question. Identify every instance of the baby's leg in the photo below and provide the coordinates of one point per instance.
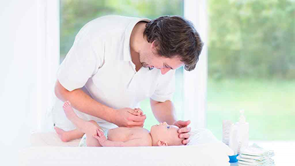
(67, 136)
(89, 128)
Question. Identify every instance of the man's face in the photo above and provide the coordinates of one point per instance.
(149, 58)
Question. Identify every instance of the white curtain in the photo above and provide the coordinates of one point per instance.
(29, 56)
(48, 60)
(195, 82)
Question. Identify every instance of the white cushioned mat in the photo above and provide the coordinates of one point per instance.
(47, 149)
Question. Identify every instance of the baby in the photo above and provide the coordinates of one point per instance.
(159, 135)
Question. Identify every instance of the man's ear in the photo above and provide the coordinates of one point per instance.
(162, 143)
(154, 45)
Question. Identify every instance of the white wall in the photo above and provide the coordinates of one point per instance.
(23, 52)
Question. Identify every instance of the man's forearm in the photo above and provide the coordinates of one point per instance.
(163, 111)
(84, 103)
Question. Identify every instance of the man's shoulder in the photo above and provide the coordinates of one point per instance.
(114, 21)
(115, 18)
(106, 26)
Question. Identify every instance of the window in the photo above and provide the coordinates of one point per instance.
(251, 61)
(75, 14)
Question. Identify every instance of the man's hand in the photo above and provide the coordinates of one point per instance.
(183, 130)
(128, 117)
(136, 112)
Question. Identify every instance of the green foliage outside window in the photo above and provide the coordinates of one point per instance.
(251, 61)
(252, 39)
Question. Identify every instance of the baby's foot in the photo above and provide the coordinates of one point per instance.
(69, 110)
(72, 116)
(61, 134)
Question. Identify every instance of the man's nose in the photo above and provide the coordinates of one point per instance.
(164, 70)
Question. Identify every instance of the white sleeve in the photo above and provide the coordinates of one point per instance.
(81, 63)
(165, 87)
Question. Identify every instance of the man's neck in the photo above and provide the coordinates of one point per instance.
(136, 41)
(137, 38)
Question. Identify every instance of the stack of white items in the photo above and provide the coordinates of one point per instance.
(255, 155)
(236, 135)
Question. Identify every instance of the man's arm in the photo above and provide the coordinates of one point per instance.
(84, 103)
(163, 111)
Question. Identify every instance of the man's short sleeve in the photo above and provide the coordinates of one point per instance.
(81, 63)
(165, 87)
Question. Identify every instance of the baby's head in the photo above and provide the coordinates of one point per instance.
(165, 135)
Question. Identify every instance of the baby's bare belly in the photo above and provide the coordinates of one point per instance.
(124, 134)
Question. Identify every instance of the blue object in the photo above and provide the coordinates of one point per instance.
(233, 159)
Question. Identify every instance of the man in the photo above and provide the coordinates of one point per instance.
(116, 62)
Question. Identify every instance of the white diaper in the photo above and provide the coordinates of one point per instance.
(83, 139)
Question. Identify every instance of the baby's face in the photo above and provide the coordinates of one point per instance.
(166, 133)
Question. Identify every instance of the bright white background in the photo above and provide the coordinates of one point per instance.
(29, 49)
(29, 43)
(26, 43)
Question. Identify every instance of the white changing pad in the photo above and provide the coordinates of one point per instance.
(202, 155)
(51, 139)
(47, 149)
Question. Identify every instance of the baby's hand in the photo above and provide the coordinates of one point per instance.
(100, 137)
(136, 112)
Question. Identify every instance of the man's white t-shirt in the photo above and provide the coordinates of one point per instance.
(100, 63)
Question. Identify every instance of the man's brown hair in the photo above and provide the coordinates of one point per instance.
(174, 36)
